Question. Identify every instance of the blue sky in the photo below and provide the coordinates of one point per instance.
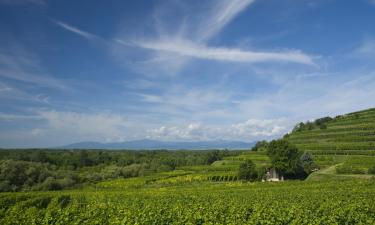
(116, 70)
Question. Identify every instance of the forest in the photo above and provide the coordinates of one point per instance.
(39, 169)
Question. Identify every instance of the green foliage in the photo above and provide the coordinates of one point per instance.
(213, 156)
(371, 170)
(285, 158)
(347, 169)
(319, 123)
(260, 146)
(341, 202)
(247, 171)
(350, 134)
(307, 162)
(60, 169)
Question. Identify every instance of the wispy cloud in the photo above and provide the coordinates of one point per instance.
(4, 88)
(248, 130)
(186, 48)
(367, 47)
(20, 65)
(219, 16)
(172, 47)
(76, 30)
(14, 117)
(20, 2)
(86, 126)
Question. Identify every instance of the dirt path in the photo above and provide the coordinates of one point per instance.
(332, 172)
(328, 170)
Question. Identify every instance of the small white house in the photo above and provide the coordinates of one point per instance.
(272, 175)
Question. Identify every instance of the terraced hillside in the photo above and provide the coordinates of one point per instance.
(353, 133)
(344, 145)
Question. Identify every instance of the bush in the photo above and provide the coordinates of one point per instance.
(260, 146)
(50, 184)
(371, 170)
(21, 175)
(261, 172)
(307, 162)
(5, 186)
(247, 171)
(284, 156)
(319, 123)
(347, 169)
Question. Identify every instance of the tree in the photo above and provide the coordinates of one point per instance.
(371, 170)
(307, 162)
(260, 146)
(285, 157)
(299, 127)
(213, 156)
(84, 159)
(247, 171)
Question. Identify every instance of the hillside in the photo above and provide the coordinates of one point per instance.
(343, 146)
(201, 187)
(353, 133)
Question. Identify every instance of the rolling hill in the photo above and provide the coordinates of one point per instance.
(352, 133)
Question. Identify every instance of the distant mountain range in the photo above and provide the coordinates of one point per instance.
(170, 145)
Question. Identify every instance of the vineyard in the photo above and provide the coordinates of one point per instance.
(342, 191)
(331, 202)
(351, 132)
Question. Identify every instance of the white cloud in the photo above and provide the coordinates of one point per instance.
(14, 117)
(190, 98)
(186, 48)
(260, 128)
(84, 126)
(5, 88)
(193, 131)
(220, 15)
(307, 97)
(76, 30)
(250, 130)
(367, 47)
(172, 48)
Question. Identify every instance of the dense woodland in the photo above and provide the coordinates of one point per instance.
(22, 170)
(37, 169)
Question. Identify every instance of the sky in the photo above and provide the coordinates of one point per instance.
(179, 70)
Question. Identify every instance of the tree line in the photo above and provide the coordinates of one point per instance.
(285, 158)
(39, 169)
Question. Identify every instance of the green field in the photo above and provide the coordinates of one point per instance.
(119, 202)
(342, 191)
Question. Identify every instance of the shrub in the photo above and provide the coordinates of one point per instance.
(247, 171)
(347, 169)
(371, 170)
(260, 146)
(50, 184)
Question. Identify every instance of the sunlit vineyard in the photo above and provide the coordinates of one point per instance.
(350, 202)
(342, 191)
(350, 132)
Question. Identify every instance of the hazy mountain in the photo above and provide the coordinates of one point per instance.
(153, 144)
